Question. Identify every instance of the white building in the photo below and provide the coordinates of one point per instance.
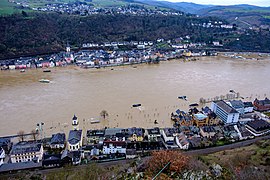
(2, 156)
(112, 147)
(225, 112)
(75, 136)
(26, 151)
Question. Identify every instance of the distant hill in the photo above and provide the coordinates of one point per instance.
(243, 15)
(181, 6)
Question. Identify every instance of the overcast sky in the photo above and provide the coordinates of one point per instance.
(227, 2)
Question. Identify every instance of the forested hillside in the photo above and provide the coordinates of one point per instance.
(23, 34)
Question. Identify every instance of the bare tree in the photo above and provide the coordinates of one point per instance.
(21, 135)
(104, 114)
(34, 134)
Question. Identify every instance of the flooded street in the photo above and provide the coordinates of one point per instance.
(86, 92)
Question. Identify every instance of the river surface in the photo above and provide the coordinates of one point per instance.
(24, 101)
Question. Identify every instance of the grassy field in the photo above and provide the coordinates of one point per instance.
(245, 160)
(7, 7)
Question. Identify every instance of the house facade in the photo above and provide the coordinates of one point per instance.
(2, 156)
(153, 134)
(95, 136)
(26, 151)
(113, 147)
(135, 134)
(262, 105)
(225, 112)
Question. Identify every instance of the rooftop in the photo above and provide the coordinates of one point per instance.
(74, 136)
(154, 131)
(58, 138)
(259, 125)
(200, 116)
(248, 104)
(170, 132)
(227, 108)
(98, 132)
(26, 147)
(237, 104)
(112, 131)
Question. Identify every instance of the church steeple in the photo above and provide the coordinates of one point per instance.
(68, 48)
(75, 122)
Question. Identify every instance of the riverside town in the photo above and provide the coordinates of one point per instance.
(227, 121)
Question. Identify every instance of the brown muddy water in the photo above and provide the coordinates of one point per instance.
(24, 101)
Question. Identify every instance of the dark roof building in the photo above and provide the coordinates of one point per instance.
(262, 105)
(74, 136)
(25, 147)
(258, 127)
(58, 140)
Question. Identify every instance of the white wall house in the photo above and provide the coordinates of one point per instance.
(26, 151)
(225, 112)
(111, 147)
(169, 134)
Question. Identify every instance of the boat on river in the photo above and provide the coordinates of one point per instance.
(44, 81)
(136, 105)
(182, 97)
(194, 105)
(46, 70)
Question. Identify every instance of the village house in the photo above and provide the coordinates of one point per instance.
(51, 160)
(200, 119)
(248, 107)
(182, 118)
(6, 144)
(238, 105)
(2, 156)
(230, 132)
(225, 112)
(261, 105)
(114, 147)
(212, 117)
(58, 141)
(207, 131)
(258, 127)
(168, 135)
(135, 134)
(153, 134)
(95, 136)
(182, 141)
(26, 151)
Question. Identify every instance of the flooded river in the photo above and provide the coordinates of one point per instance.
(86, 92)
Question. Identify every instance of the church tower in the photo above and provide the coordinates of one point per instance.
(75, 123)
(68, 48)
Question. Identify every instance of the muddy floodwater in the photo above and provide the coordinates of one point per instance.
(24, 101)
